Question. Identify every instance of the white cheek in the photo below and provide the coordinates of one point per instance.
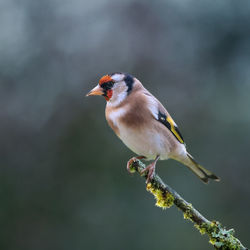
(118, 99)
(119, 94)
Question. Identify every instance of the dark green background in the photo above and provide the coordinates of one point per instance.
(63, 178)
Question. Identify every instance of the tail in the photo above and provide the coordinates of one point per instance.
(200, 171)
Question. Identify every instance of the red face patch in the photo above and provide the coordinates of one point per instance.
(104, 79)
(109, 94)
(106, 82)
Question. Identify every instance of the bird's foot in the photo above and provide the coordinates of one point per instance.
(151, 171)
(131, 161)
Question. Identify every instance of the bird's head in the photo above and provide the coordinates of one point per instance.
(114, 87)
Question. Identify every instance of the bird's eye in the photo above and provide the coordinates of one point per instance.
(107, 85)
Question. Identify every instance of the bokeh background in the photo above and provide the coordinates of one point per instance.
(63, 178)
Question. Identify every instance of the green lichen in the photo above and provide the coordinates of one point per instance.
(219, 237)
(163, 199)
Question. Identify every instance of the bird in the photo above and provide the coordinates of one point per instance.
(144, 125)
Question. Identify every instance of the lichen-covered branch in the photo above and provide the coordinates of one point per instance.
(165, 197)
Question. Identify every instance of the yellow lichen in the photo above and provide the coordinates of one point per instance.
(212, 241)
(200, 228)
(132, 169)
(188, 215)
(163, 199)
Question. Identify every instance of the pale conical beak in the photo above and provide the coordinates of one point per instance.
(96, 91)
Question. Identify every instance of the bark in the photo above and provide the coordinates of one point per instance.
(165, 196)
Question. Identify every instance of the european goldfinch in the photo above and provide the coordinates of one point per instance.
(143, 124)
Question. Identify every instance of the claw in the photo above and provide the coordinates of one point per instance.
(132, 160)
(151, 170)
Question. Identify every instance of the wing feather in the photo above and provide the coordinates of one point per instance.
(160, 114)
(167, 120)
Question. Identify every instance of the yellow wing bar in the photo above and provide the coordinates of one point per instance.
(170, 124)
(175, 130)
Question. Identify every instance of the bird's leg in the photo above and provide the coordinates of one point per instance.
(151, 169)
(133, 159)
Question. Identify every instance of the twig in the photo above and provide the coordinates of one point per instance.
(165, 197)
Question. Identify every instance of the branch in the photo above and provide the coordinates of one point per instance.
(165, 197)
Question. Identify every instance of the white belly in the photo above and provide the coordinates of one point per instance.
(147, 143)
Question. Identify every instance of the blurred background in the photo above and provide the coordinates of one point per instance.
(63, 178)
